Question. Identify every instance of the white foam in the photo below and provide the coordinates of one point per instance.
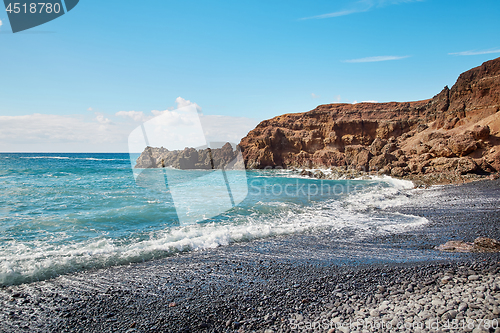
(73, 158)
(380, 196)
(397, 183)
(45, 157)
(353, 216)
(20, 263)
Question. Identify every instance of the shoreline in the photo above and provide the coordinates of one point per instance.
(419, 180)
(258, 285)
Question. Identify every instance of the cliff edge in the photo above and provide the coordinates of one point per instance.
(455, 133)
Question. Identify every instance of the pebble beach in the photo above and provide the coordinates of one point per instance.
(291, 283)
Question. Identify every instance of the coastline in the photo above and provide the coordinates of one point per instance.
(419, 180)
(259, 285)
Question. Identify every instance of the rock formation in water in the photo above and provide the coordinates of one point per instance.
(457, 131)
(190, 158)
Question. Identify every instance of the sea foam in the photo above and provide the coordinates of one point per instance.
(95, 216)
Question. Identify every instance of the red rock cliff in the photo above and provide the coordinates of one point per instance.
(457, 130)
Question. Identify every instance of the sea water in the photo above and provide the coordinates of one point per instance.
(61, 213)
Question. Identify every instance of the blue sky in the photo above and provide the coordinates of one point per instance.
(250, 60)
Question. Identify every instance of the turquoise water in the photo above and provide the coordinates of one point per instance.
(62, 213)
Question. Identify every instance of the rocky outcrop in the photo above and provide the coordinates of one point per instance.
(481, 244)
(456, 131)
(190, 158)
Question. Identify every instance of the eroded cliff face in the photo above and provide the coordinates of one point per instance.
(458, 131)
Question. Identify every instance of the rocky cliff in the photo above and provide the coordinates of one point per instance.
(190, 158)
(457, 131)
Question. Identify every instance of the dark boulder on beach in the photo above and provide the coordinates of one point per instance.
(480, 244)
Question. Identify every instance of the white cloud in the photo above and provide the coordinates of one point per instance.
(217, 128)
(376, 59)
(105, 122)
(334, 14)
(109, 133)
(102, 119)
(1, 23)
(313, 95)
(359, 7)
(181, 103)
(138, 116)
(172, 115)
(159, 113)
(185, 127)
(90, 109)
(173, 130)
(178, 117)
(369, 101)
(471, 53)
(56, 133)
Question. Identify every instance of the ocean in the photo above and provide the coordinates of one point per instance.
(63, 213)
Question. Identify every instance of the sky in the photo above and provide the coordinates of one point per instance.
(84, 81)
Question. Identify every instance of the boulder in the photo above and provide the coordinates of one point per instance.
(484, 166)
(422, 167)
(429, 137)
(481, 244)
(147, 159)
(361, 161)
(456, 246)
(399, 163)
(380, 161)
(494, 160)
(450, 123)
(413, 166)
(357, 157)
(422, 127)
(397, 172)
(441, 149)
(426, 157)
(400, 154)
(422, 149)
(443, 164)
(351, 152)
(377, 145)
(327, 158)
(481, 132)
(466, 165)
(389, 148)
(462, 144)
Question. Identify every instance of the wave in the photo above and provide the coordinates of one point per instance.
(358, 215)
(74, 158)
(46, 157)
